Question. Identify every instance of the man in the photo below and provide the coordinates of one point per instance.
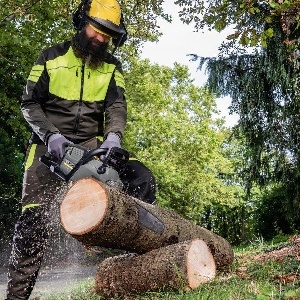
(74, 94)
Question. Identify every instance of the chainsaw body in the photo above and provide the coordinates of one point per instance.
(80, 162)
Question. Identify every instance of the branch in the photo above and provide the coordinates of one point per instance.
(12, 16)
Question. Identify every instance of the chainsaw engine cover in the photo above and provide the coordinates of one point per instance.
(90, 169)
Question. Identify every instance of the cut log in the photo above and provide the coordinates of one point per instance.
(185, 265)
(98, 215)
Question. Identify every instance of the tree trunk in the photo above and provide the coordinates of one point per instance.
(185, 265)
(98, 215)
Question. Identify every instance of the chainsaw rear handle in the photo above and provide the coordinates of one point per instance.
(47, 159)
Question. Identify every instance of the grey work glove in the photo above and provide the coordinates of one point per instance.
(112, 140)
(56, 145)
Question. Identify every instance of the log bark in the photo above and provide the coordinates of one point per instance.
(185, 265)
(98, 215)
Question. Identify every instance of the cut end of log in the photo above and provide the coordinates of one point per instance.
(201, 265)
(83, 206)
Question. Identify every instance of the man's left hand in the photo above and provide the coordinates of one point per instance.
(112, 140)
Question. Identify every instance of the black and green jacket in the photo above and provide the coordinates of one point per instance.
(63, 95)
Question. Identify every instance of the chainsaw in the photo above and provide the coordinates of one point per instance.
(79, 162)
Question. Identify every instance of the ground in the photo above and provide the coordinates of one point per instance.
(280, 254)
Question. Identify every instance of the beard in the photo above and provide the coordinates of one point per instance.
(91, 51)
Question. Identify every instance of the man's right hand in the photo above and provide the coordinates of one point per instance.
(56, 145)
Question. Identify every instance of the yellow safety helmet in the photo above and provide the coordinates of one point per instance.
(104, 16)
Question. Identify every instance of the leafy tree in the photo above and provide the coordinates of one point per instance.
(171, 128)
(263, 85)
(251, 20)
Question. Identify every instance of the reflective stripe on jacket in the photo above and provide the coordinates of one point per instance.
(63, 95)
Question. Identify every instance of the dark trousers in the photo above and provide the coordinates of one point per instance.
(41, 190)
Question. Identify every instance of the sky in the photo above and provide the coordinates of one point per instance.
(177, 41)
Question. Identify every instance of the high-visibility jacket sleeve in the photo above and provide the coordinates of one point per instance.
(34, 96)
(115, 106)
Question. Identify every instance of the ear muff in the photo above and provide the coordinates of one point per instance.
(80, 17)
(121, 39)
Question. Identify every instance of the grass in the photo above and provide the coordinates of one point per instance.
(248, 279)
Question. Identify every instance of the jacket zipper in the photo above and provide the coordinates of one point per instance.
(80, 100)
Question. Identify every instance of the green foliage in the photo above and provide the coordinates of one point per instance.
(82, 291)
(274, 213)
(10, 181)
(261, 86)
(250, 20)
(171, 129)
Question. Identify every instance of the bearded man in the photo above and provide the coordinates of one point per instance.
(74, 95)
